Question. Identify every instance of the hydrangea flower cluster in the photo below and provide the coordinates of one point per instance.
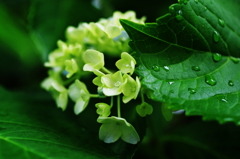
(82, 54)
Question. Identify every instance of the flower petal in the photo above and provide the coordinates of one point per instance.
(109, 132)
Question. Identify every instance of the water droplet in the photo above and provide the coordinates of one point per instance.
(221, 22)
(235, 60)
(166, 68)
(210, 80)
(217, 57)
(205, 8)
(155, 68)
(216, 36)
(224, 100)
(196, 1)
(195, 68)
(171, 9)
(191, 90)
(179, 16)
(127, 65)
(171, 82)
(230, 83)
(117, 84)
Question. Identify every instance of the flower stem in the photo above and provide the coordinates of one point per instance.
(72, 79)
(94, 95)
(118, 107)
(111, 101)
(142, 97)
(104, 69)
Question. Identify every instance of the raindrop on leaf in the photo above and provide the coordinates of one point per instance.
(216, 36)
(191, 90)
(155, 68)
(179, 16)
(230, 83)
(195, 68)
(217, 57)
(221, 22)
(210, 80)
(235, 60)
(166, 68)
(224, 100)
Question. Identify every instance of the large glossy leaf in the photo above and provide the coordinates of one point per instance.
(32, 127)
(179, 58)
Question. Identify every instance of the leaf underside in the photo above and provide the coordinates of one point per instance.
(186, 58)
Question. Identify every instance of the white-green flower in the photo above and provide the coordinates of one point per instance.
(114, 128)
(71, 67)
(113, 83)
(104, 109)
(59, 92)
(94, 60)
(144, 109)
(126, 64)
(78, 93)
(131, 88)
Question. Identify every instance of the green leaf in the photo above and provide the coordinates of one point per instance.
(48, 20)
(179, 58)
(13, 36)
(32, 127)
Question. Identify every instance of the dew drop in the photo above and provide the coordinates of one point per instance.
(205, 8)
(155, 68)
(196, 1)
(221, 22)
(166, 68)
(224, 100)
(127, 65)
(216, 36)
(195, 68)
(230, 83)
(170, 83)
(179, 16)
(171, 9)
(217, 57)
(191, 90)
(210, 80)
(117, 84)
(235, 60)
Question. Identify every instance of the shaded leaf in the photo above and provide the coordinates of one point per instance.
(31, 128)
